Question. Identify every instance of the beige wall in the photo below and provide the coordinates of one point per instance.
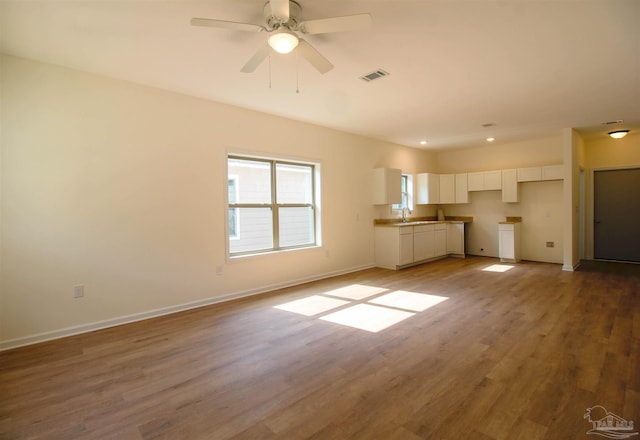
(529, 153)
(606, 152)
(121, 188)
(540, 203)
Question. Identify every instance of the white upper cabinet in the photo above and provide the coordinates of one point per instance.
(553, 172)
(462, 193)
(536, 174)
(387, 186)
(447, 188)
(531, 174)
(475, 181)
(428, 189)
(485, 181)
(493, 180)
(510, 186)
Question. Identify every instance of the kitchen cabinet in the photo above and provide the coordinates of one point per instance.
(423, 242)
(393, 246)
(462, 193)
(428, 189)
(531, 174)
(509, 242)
(455, 238)
(440, 240)
(553, 172)
(447, 188)
(405, 254)
(401, 246)
(510, 186)
(485, 181)
(536, 174)
(387, 186)
(493, 180)
(475, 181)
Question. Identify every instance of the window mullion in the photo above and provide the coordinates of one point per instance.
(274, 207)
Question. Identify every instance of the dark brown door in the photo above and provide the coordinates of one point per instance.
(616, 199)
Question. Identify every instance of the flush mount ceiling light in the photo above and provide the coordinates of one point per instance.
(423, 142)
(491, 139)
(618, 134)
(283, 41)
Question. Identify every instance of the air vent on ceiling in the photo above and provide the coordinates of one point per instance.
(374, 75)
(619, 121)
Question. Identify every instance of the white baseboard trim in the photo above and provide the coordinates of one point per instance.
(127, 319)
(567, 268)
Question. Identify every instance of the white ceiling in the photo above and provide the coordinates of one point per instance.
(532, 67)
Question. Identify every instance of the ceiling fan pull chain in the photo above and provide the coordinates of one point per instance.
(269, 71)
(297, 76)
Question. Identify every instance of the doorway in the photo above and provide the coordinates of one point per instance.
(616, 209)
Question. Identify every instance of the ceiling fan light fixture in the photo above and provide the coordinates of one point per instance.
(283, 41)
(618, 134)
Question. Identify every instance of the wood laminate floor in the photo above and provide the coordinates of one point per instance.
(519, 354)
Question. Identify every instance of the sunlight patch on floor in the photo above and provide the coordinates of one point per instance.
(497, 268)
(367, 317)
(312, 305)
(355, 291)
(402, 299)
(357, 309)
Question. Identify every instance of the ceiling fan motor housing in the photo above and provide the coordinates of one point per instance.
(275, 23)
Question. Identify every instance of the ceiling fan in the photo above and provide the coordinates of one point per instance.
(283, 23)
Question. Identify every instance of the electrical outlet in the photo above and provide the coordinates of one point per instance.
(550, 244)
(78, 291)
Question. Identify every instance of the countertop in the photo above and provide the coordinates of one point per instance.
(511, 220)
(417, 221)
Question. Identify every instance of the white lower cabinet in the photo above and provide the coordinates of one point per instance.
(455, 238)
(423, 236)
(440, 240)
(509, 242)
(400, 246)
(405, 255)
(393, 246)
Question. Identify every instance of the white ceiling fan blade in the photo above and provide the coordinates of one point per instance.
(347, 23)
(209, 22)
(314, 57)
(256, 59)
(280, 9)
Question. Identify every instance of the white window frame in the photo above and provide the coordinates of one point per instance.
(406, 195)
(315, 205)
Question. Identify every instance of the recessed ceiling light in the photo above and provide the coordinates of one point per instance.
(618, 134)
(491, 139)
(423, 142)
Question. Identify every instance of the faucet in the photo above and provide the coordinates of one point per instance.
(404, 214)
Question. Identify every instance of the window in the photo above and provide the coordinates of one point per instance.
(271, 205)
(407, 193)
